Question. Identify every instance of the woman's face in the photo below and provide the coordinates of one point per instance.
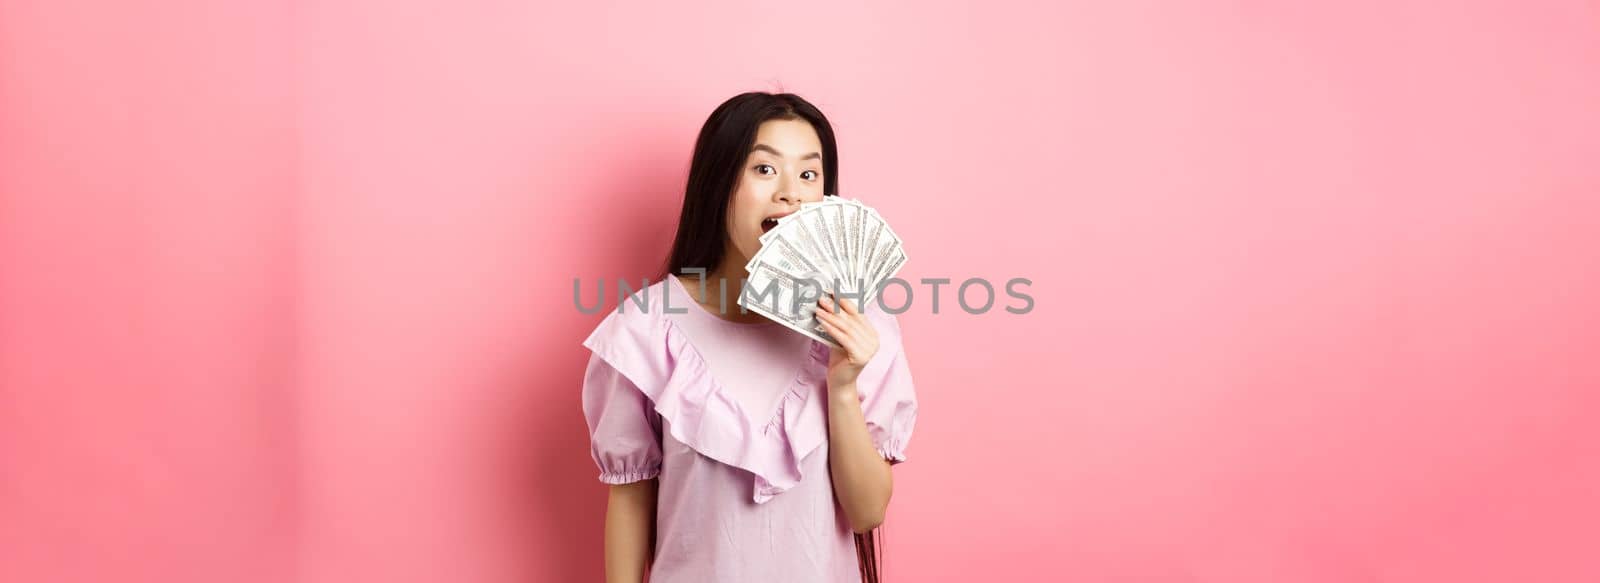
(782, 170)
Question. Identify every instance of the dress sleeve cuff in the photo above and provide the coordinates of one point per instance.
(629, 476)
(893, 452)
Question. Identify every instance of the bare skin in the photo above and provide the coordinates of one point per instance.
(630, 520)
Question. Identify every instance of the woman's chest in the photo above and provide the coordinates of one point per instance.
(755, 366)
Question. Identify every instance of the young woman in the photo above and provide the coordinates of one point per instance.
(736, 449)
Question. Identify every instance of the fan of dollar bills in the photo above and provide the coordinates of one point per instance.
(833, 247)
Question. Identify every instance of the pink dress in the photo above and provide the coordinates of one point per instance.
(732, 417)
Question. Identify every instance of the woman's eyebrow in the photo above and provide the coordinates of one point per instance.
(775, 152)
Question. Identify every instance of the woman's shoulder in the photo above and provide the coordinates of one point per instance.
(636, 318)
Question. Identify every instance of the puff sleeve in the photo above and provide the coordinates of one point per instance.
(888, 396)
(624, 427)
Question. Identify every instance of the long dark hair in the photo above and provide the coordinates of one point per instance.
(719, 153)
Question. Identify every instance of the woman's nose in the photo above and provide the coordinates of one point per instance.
(787, 193)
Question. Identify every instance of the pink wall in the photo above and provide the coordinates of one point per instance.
(147, 293)
(285, 293)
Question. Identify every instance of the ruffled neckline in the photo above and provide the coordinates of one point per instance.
(658, 357)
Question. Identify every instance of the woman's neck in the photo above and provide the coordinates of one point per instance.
(730, 270)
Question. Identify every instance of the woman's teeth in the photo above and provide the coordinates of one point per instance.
(768, 224)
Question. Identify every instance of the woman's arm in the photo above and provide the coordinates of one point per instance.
(861, 478)
(630, 524)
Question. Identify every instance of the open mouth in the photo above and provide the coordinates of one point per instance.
(768, 223)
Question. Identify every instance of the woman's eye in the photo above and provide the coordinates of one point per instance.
(763, 168)
(812, 173)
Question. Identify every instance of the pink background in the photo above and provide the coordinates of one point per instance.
(285, 291)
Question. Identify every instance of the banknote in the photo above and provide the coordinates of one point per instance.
(833, 246)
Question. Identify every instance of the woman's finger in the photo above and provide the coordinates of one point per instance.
(843, 338)
(857, 325)
(834, 320)
(841, 315)
(854, 325)
(828, 317)
(856, 321)
(864, 334)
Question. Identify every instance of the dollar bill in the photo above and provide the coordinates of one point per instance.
(833, 246)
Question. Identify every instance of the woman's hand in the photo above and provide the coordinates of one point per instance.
(850, 328)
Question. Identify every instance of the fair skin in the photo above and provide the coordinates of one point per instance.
(782, 170)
